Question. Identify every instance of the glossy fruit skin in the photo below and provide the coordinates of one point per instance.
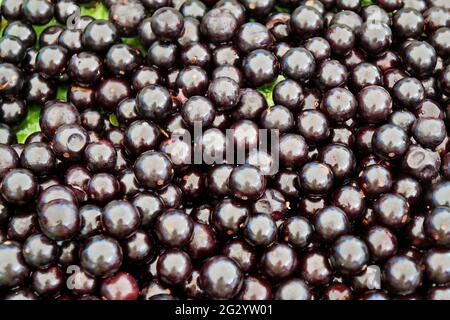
(217, 180)
(192, 81)
(306, 21)
(421, 163)
(12, 111)
(293, 150)
(127, 16)
(8, 160)
(103, 187)
(281, 28)
(315, 268)
(439, 41)
(167, 23)
(101, 256)
(153, 169)
(242, 253)
(149, 206)
(21, 294)
(70, 141)
(436, 266)
(239, 182)
(313, 125)
(260, 67)
(375, 179)
(85, 68)
(279, 118)
(141, 136)
(375, 37)
(402, 275)
(11, 79)
(59, 219)
(99, 35)
(11, 10)
(48, 282)
(409, 188)
(433, 226)
(429, 132)
(316, 178)
(338, 291)
(224, 93)
(330, 223)
(319, 47)
(120, 219)
(22, 226)
(50, 36)
(219, 25)
(350, 254)
(203, 242)
(252, 36)
(255, 288)
(279, 261)
(171, 196)
(293, 289)
(358, 94)
(229, 71)
(221, 278)
(408, 22)
(331, 74)
(19, 186)
(11, 259)
(38, 158)
(100, 156)
(365, 74)
(392, 210)
(339, 104)
(229, 216)
(111, 92)
(341, 38)
(403, 119)
(340, 159)
(298, 64)
(374, 112)
(382, 243)
(409, 92)
(288, 93)
(38, 12)
(12, 49)
(153, 102)
(6, 135)
(390, 142)
(121, 286)
(55, 114)
(64, 9)
(420, 58)
(260, 230)
(174, 228)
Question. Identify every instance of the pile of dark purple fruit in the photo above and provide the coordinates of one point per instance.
(359, 207)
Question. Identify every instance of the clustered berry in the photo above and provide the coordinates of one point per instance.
(105, 202)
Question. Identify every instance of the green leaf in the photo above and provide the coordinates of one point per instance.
(135, 43)
(267, 90)
(61, 94)
(96, 10)
(113, 120)
(29, 125)
(3, 23)
(366, 3)
(39, 29)
(282, 9)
